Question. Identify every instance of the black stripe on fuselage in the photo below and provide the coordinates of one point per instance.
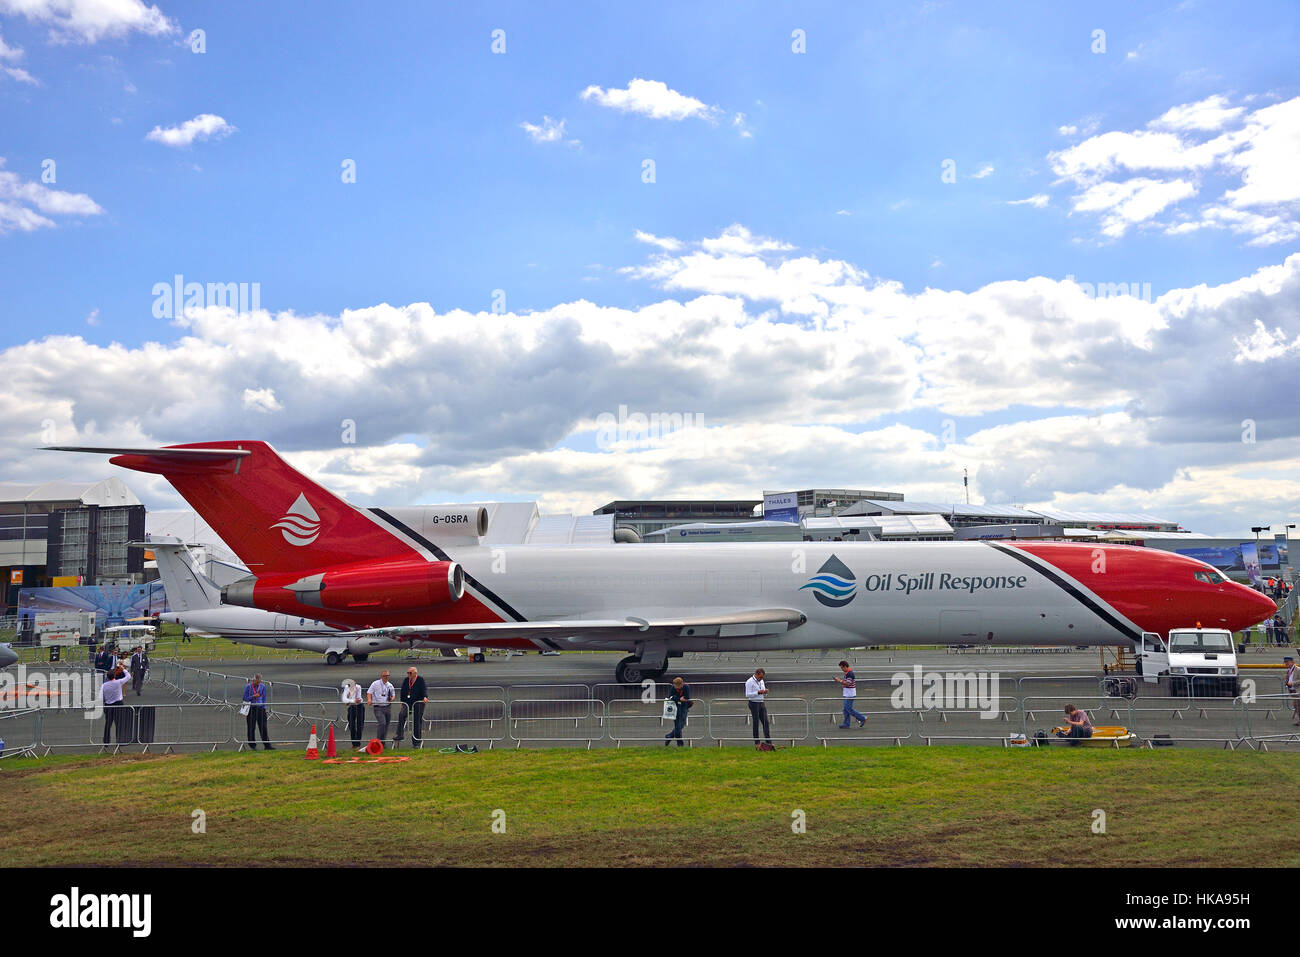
(470, 580)
(1069, 587)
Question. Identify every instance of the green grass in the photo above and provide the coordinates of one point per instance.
(964, 806)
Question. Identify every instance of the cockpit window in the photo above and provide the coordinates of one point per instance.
(1209, 577)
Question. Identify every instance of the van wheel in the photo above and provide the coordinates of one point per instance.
(333, 658)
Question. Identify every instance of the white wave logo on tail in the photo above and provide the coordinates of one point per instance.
(301, 525)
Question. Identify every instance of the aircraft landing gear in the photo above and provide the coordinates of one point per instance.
(630, 671)
(333, 658)
(360, 659)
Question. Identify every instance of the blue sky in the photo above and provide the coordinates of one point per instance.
(835, 154)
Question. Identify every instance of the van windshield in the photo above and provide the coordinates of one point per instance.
(1196, 642)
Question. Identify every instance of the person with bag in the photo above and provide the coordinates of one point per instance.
(354, 698)
(676, 706)
(254, 712)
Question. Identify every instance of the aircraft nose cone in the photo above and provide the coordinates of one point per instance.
(1250, 608)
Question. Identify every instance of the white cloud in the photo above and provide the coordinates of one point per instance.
(651, 98)
(668, 243)
(88, 21)
(1211, 113)
(1038, 201)
(205, 126)
(10, 54)
(93, 318)
(739, 122)
(1132, 201)
(1067, 130)
(983, 171)
(794, 360)
(1177, 155)
(549, 131)
(261, 400)
(22, 203)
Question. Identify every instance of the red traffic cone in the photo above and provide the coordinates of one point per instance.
(375, 747)
(329, 744)
(312, 752)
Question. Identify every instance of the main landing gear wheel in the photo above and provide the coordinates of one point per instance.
(333, 658)
(630, 671)
(360, 659)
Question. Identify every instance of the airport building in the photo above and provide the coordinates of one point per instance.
(818, 502)
(646, 516)
(958, 515)
(68, 533)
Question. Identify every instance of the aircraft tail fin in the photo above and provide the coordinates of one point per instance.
(270, 514)
(187, 588)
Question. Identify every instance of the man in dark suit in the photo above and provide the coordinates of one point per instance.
(139, 665)
(413, 697)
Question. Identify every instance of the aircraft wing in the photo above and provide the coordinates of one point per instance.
(763, 621)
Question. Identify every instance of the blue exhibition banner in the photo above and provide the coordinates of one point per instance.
(1225, 558)
(112, 604)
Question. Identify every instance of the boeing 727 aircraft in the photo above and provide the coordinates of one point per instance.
(422, 575)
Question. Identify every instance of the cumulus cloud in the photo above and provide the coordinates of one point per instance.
(652, 98)
(26, 206)
(1131, 178)
(205, 126)
(89, 21)
(805, 369)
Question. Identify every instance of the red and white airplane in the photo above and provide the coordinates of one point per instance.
(421, 574)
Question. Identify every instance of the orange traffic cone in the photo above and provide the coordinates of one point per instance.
(375, 747)
(312, 753)
(329, 744)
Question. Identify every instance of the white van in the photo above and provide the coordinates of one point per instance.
(1197, 661)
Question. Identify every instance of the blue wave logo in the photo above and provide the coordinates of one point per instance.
(833, 585)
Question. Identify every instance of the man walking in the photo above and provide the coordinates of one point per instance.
(850, 683)
(113, 702)
(255, 716)
(756, 695)
(414, 698)
(380, 698)
(139, 668)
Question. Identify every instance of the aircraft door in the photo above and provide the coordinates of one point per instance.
(1153, 657)
(281, 629)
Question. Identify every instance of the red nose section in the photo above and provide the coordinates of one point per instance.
(1156, 590)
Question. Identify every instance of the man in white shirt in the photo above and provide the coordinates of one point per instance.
(755, 695)
(112, 692)
(354, 698)
(380, 696)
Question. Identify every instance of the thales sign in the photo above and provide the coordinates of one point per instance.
(781, 507)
